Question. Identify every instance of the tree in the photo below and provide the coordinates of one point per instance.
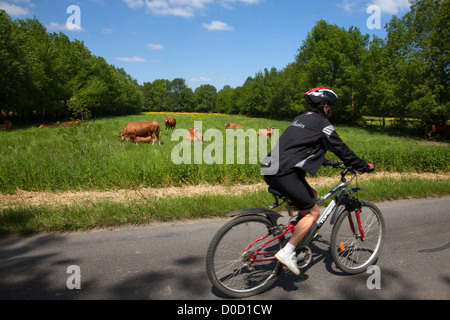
(418, 50)
(45, 76)
(13, 64)
(156, 94)
(224, 101)
(332, 57)
(180, 97)
(205, 98)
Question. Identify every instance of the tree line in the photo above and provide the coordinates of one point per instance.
(46, 76)
(405, 75)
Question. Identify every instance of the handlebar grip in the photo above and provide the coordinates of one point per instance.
(328, 162)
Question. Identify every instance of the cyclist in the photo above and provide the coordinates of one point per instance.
(301, 149)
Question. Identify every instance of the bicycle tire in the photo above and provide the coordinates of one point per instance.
(227, 262)
(349, 253)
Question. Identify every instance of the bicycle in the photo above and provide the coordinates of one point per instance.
(240, 260)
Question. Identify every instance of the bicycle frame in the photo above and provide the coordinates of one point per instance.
(342, 198)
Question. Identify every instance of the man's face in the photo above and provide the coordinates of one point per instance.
(328, 110)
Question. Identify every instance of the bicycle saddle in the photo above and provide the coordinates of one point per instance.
(276, 193)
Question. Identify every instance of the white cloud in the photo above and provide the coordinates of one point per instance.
(200, 79)
(182, 8)
(392, 6)
(134, 3)
(218, 25)
(133, 59)
(54, 26)
(229, 4)
(155, 46)
(17, 8)
(348, 5)
(107, 31)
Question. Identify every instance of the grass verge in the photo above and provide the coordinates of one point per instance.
(26, 220)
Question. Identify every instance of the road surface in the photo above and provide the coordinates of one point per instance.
(167, 262)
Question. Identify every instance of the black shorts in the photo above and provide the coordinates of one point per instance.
(295, 187)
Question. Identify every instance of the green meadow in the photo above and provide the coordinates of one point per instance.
(91, 157)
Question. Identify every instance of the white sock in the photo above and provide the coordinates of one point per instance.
(289, 248)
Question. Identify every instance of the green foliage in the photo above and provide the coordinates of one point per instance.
(405, 75)
(50, 77)
(205, 98)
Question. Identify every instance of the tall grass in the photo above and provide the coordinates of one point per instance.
(91, 157)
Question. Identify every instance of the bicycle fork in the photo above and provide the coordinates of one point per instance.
(359, 235)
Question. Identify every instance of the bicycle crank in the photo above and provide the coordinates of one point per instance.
(304, 256)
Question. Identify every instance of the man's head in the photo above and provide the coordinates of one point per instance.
(321, 100)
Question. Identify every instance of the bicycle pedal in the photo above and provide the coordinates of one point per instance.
(273, 206)
(304, 257)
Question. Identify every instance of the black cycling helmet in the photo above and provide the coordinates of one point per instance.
(318, 96)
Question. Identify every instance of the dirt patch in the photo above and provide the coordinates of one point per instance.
(74, 197)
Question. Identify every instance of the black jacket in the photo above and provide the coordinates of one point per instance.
(304, 144)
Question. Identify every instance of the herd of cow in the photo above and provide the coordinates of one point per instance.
(150, 131)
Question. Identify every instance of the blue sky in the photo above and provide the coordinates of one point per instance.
(217, 42)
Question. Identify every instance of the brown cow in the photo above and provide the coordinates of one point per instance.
(233, 125)
(137, 139)
(268, 133)
(443, 130)
(193, 135)
(70, 124)
(143, 130)
(170, 122)
(6, 126)
(45, 126)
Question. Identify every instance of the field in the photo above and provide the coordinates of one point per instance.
(91, 158)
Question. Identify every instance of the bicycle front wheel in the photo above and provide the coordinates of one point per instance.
(236, 265)
(356, 242)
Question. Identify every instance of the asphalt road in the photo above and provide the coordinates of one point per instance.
(167, 262)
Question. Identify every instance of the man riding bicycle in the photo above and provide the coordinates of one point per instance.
(301, 149)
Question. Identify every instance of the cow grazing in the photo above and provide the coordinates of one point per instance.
(70, 124)
(143, 130)
(233, 125)
(193, 135)
(443, 130)
(46, 127)
(268, 133)
(6, 126)
(170, 122)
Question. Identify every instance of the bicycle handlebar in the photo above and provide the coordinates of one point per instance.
(340, 165)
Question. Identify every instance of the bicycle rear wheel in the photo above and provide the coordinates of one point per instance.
(354, 251)
(233, 263)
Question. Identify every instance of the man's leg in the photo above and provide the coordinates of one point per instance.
(310, 217)
(287, 255)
